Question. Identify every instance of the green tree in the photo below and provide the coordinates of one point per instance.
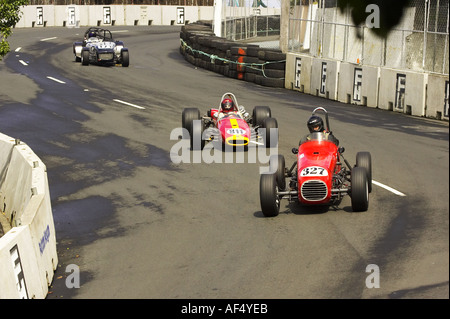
(9, 15)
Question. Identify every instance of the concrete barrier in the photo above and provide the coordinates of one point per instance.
(28, 254)
(437, 97)
(414, 93)
(358, 84)
(110, 15)
(324, 78)
(402, 91)
(298, 72)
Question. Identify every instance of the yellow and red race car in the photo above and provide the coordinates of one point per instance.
(230, 124)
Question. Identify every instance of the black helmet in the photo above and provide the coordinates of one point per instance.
(315, 124)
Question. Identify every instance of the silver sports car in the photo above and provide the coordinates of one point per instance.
(99, 47)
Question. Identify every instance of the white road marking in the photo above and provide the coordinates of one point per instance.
(18, 49)
(396, 192)
(46, 39)
(130, 104)
(254, 142)
(23, 62)
(56, 80)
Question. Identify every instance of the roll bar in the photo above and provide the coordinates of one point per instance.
(326, 116)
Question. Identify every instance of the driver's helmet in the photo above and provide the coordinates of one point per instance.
(315, 124)
(227, 105)
(92, 34)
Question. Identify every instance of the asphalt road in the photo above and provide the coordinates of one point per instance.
(137, 225)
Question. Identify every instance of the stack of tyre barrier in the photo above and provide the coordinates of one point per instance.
(249, 62)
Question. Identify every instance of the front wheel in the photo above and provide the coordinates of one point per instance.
(270, 203)
(363, 159)
(85, 57)
(277, 166)
(359, 190)
(125, 58)
(188, 116)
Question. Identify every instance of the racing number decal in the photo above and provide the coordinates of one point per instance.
(314, 171)
(107, 15)
(235, 129)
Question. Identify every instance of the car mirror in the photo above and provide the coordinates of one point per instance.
(294, 150)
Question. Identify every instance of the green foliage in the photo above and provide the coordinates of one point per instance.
(9, 15)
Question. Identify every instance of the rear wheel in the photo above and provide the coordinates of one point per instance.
(270, 203)
(125, 58)
(277, 167)
(270, 134)
(360, 189)
(363, 159)
(260, 113)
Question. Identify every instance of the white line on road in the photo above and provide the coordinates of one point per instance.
(23, 62)
(46, 39)
(18, 49)
(396, 192)
(130, 104)
(56, 80)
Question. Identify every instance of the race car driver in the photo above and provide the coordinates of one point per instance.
(228, 107)
(315, 124)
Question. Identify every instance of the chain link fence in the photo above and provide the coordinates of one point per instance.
(252, 20)
(420, 41)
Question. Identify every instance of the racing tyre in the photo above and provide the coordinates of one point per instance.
(277, 165)
(363, 159)
(195, 129)
(188, 115)
(260, 113)
(270, 134)
(85, 57)
(196, 132)
(360, 189)
(270, 203)
(125, 58)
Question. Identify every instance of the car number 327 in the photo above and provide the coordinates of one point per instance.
(314, 171)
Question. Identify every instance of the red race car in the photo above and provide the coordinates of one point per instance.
(231, 125)
(317, 177)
